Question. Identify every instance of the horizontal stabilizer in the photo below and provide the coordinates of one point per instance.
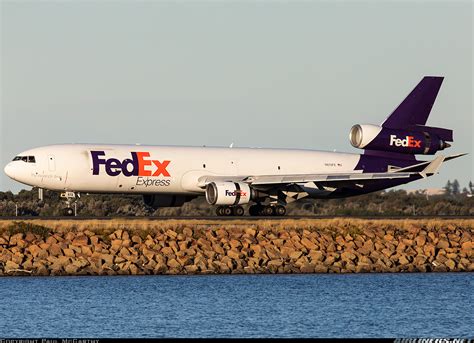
(433, 166)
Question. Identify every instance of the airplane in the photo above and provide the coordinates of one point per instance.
(229, 177)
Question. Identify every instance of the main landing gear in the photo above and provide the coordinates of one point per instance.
(230, 211)
(254, 210)
(267, 210)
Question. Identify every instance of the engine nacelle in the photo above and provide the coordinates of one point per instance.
(228, 193)
(165, 200)
(420, 140)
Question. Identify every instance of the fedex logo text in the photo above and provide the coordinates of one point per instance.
(235, 193)
(139, 165)
(408, 142)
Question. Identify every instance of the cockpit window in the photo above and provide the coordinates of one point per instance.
(27, 159)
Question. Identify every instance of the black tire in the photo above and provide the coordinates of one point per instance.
(227, 211)
(280, 210)
(219, 211)
(238, 211)
(267, 211)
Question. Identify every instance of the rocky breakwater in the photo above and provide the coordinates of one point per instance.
(330, 246)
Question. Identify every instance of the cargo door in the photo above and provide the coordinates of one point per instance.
(51, 163)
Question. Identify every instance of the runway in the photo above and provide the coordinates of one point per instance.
(232, 218)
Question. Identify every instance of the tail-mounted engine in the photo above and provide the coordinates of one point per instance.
(228, 193)
(417, 139)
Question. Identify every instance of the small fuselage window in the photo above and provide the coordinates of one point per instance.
(27, 159)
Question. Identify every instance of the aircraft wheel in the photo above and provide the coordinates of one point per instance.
(69, 212)
(267, 211)
(227, 211)
(280, 210)
(238, 211)
(219, 210)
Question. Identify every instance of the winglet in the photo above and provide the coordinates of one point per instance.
(433, 167)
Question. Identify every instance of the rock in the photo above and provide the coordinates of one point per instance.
(115, 244)
(134, 270)
(10, 265)
(348, 256)
(71, 269)
(188, 232)
(69, 253)
(251, 232)
(172, 263)
(367, 248)
(401, 247)
(125, 236)
(107, 259)
(301, 261)
(234, 244)
(363, 268)
(15, 238)
(364, 260)
(51, 240)
(306, 268)
(81, 241)
(94, 240)
(295, 255)
(34, 250)
(319, 268)
(467, 246)
(316, 256)
(136, 239)
(442, 244)
(191, 269)
(55, 250)
(429, 249)
(387, 252)
(450, 264)
(171, 234)
(403, 260)
(30, 237)
(86, 250)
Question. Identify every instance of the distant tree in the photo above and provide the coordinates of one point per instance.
(448, 188)
(456, 187)
(465, 191)
(471, 187)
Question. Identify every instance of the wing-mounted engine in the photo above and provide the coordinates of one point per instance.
(417, 139)
(228, 193)
(165, 200)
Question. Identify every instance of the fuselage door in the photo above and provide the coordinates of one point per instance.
(51, 163)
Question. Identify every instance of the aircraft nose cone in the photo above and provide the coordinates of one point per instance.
(9, 170)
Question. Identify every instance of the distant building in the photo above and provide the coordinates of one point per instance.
(428, 191)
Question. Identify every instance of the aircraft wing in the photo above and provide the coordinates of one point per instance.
(423, 169)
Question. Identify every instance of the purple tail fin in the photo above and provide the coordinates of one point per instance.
(416, 107)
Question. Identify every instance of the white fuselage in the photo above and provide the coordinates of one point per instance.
(162, 169)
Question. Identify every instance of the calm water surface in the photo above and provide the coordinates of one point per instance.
(364, 305)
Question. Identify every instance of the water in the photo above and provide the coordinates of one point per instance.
(363, 305)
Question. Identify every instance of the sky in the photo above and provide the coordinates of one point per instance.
(256, 74)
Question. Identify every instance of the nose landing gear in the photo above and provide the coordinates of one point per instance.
(70, 197)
